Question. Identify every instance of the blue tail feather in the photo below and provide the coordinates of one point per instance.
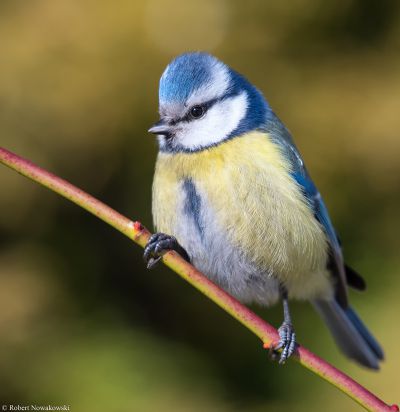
(365, 333)
(350, 333)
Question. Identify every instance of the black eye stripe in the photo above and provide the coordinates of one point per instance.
(205, 106)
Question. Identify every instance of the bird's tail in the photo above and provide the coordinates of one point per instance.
(350, 333)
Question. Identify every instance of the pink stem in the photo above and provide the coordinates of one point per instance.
(135, 231)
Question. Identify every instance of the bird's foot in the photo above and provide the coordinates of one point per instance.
(287, 342)
(158, 244)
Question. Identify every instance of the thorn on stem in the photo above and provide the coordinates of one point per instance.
(267, 345)
(138, 226)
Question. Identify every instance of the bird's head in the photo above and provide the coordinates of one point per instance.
(204, 102)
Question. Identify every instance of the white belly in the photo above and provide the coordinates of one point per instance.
(211, 251)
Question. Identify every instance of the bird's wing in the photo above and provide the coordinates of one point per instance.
(282, 137)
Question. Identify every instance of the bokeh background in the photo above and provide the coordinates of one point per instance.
(81, 321)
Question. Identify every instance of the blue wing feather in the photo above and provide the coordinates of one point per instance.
(282, 137)
(321, 213)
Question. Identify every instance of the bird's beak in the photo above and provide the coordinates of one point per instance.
(160, 128)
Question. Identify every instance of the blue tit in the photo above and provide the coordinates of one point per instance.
(231, 194)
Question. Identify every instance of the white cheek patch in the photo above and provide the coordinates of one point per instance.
(219, 121)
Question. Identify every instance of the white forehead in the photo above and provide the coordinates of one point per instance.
(214, 88)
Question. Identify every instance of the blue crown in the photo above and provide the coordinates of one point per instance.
(186, 74)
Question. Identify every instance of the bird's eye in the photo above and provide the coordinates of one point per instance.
(197, 111)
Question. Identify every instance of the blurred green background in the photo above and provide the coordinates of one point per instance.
(81, 321)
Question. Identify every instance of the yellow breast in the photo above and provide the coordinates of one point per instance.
(246, 182)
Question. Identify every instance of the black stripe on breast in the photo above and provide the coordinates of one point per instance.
(193, 204)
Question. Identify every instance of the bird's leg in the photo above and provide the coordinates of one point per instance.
(287, 341)
(157, 245)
